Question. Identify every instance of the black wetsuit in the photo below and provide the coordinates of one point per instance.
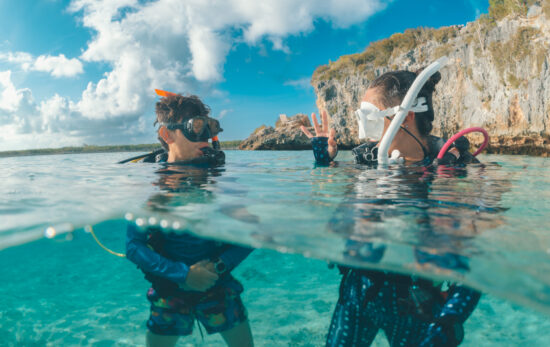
(412, 311)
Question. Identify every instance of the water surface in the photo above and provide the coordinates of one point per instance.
(484, 226)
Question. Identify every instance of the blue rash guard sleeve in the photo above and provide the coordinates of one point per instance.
(320, 150)
(150, 261)
(460, 304)
(234, 256)
(447, 329)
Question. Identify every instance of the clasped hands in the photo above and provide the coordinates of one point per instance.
(201, 276)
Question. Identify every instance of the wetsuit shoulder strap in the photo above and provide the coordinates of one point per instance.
(424, 149)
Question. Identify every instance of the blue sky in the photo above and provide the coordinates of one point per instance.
(83, 71)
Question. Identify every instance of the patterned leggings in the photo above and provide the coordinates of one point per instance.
(363, 308)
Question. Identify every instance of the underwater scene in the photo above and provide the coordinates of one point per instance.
(65, 218)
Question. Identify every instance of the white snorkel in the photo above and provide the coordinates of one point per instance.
(404, 109)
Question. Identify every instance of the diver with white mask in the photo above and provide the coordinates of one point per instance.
(411, 310)
(404, 95)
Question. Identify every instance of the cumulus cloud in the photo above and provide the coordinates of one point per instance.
(19, 58)
(16, 105)
(25, 123)
(173, 44)
(168, 44)
(10, 97)
(57, 66)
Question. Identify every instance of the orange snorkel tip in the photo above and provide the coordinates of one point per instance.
(215, 142)
(164, 93)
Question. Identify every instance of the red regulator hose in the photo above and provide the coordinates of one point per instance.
(462, 133)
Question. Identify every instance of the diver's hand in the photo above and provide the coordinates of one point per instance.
(449, 159)
(443, 335)
(200, 277)
(208, 265)
(323, 131)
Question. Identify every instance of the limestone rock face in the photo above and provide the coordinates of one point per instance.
(286, 135)
(498, 78)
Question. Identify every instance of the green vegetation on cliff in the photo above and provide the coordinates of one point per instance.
(380, 54)
(506, 54)
(499, 9)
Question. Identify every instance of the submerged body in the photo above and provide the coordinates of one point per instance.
(411, 311)
(191, 277)
(174, 307)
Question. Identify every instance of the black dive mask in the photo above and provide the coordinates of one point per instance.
(197, 129)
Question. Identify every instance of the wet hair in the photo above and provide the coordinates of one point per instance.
(177, 108)
(394, 85)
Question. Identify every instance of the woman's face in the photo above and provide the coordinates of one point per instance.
(373, 96)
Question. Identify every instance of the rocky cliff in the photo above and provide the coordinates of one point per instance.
(286, 135)
(498, 77)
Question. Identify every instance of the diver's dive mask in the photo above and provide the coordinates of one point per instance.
(197, 129)
(371, 120)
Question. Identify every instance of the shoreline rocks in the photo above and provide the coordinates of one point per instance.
(286, 135)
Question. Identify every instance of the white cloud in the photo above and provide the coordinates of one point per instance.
(57, 121)
(57, 66)
(208, 50)
(23, 59)
(10, 97)
(17, 106)
(224, 113)
(173, 45)
(302, 83)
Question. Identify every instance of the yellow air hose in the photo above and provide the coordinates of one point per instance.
(91, 231)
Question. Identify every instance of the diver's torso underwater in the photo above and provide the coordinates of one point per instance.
(190, 277)
(412, 311)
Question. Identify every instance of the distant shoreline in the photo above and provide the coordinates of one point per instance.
(99, 149)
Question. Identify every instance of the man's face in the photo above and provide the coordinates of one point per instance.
(186, 147)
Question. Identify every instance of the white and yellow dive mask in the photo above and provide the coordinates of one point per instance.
(370, 118)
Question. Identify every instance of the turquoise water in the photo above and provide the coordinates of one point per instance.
(65, 290)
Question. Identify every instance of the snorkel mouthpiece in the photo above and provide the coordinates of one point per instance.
(406, 106)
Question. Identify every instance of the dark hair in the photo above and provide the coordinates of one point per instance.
(395, 85)
(176, 108)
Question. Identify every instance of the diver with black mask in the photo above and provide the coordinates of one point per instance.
(190, 277)
(411, 310)
(189, 145)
